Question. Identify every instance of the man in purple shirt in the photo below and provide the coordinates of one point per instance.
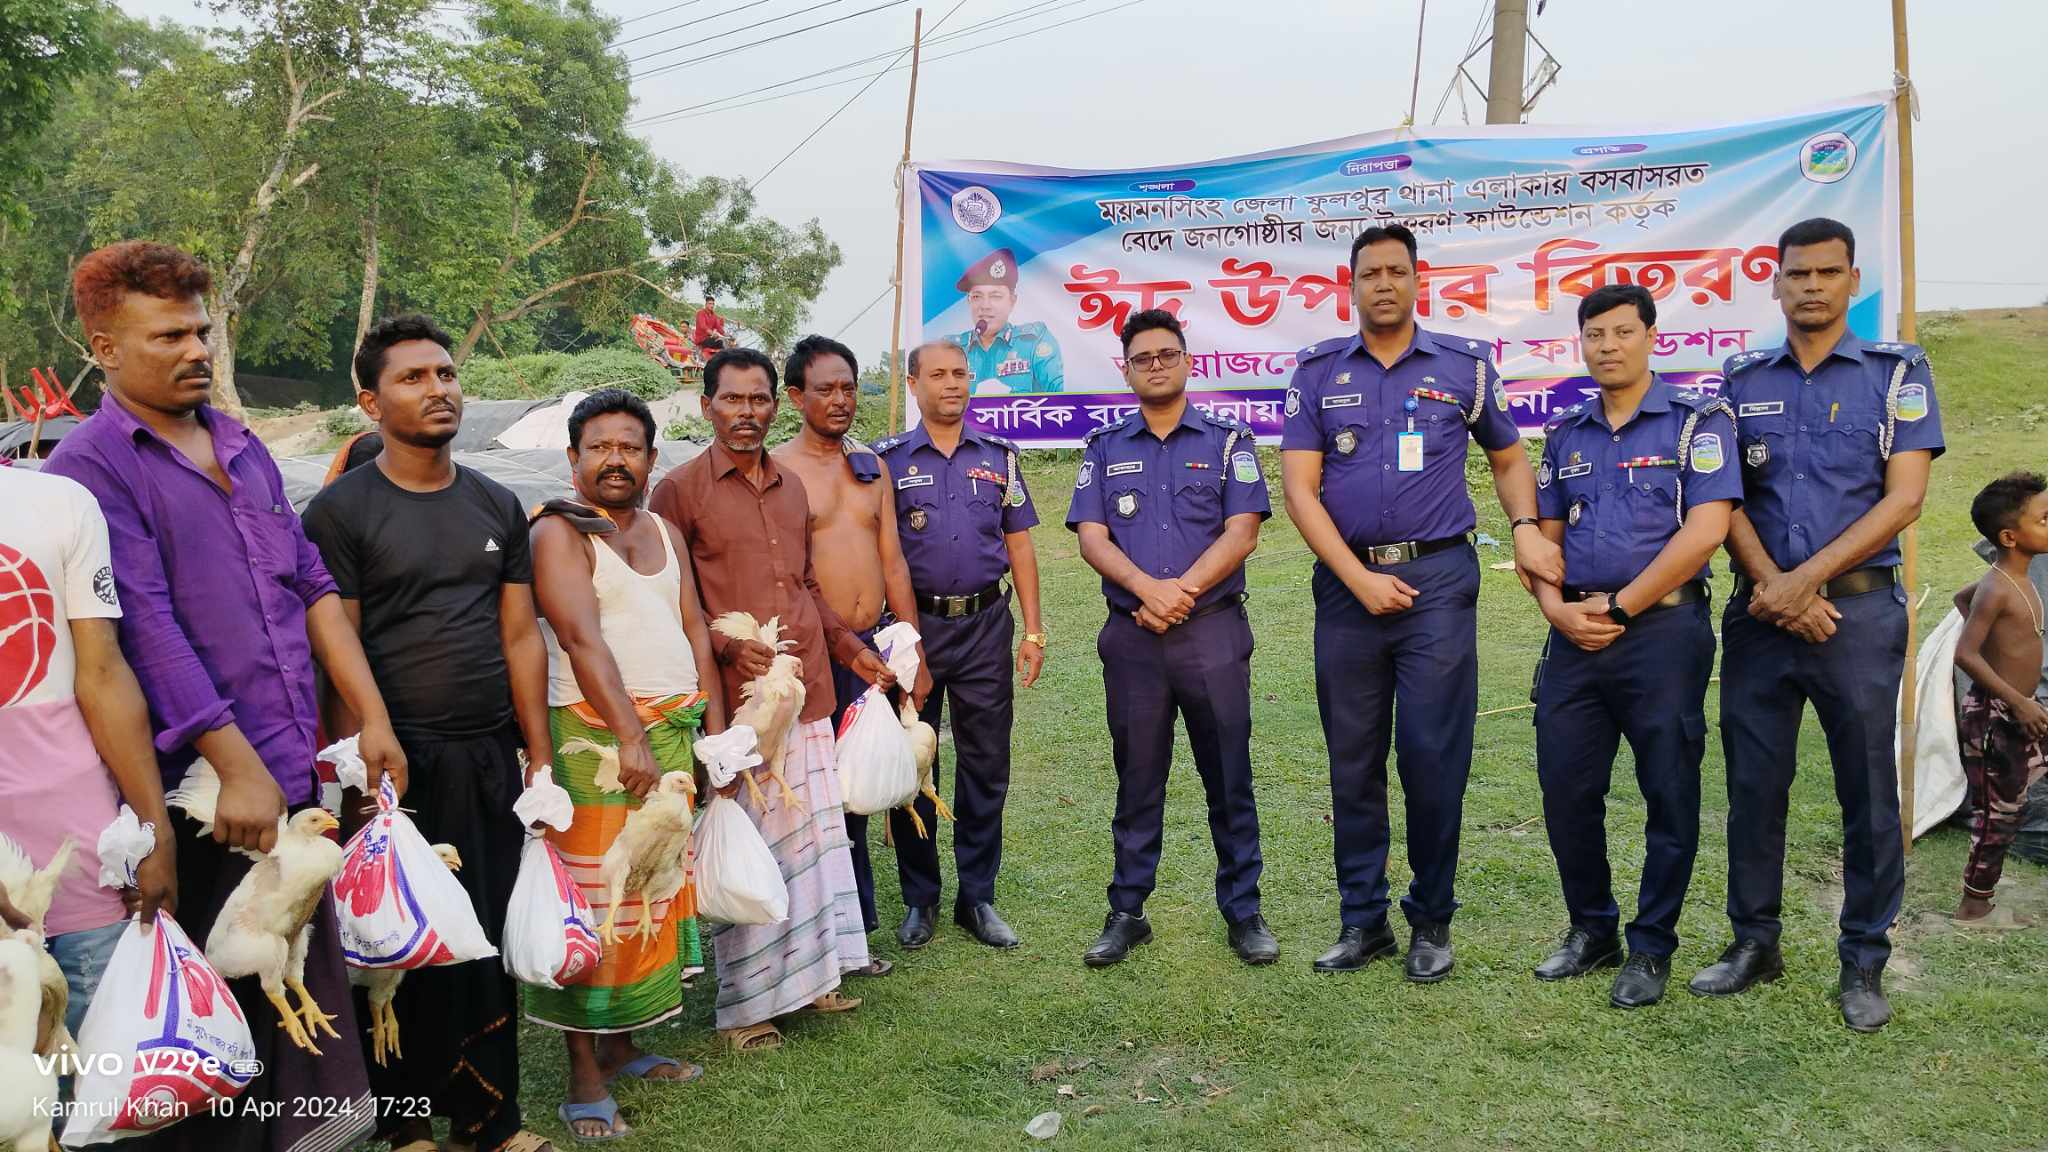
(226, 606)
(1373, 460)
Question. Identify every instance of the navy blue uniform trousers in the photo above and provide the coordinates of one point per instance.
(1426, 661)
(846, 688)
(1650, 685)
(1767, 677)
(1201, 670)
(971, 660)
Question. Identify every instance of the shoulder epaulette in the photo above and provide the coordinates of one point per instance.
(1910, 353)
(1560, 419)
(999, 442)
(1110, 427)
(890, 443)
(1319, 348)
(1226, 422)
(1742, 361)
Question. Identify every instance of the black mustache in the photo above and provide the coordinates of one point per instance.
(608, 473)
(200, 374)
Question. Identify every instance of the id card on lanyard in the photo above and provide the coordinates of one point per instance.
(1409, 455)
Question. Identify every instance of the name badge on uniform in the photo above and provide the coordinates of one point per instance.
(1408, 456)
(1571, 470)
(1125, 468)
(1351, 401)
(1347, 442)
(914, 481)
(1127, 504)
(1013, 367)
(1773, 408)
(917, 519)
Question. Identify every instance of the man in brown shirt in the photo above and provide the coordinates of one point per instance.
(747, 524)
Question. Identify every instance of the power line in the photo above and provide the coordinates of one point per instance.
(879, 297)
(660, 12)
(674, 65)
(850, 99)
(702, 20)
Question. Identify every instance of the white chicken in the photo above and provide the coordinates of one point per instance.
(31, 889)
(650, 856)
(27, 1087)
(772, 702)
(924, 743)
(381, 984)
(265, 925)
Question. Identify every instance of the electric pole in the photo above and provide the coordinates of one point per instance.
(1510, 54)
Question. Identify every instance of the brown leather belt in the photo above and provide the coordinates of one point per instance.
(1406, 551)
(951, 607)
(1690, 592)
(1853, 583)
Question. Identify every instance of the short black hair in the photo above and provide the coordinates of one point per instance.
(1608, 297)
(363, 450)
(810, 348)
(604, 402)
(1818, 230)
(736, 358)
(916, 353)
(1150, 319)
(1379, 232)
(1998, 506)
(392, 330)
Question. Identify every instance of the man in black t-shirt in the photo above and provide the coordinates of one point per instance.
(433, 567)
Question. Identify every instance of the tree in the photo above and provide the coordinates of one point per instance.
(45, 45)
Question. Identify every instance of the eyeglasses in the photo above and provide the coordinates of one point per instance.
(1165, 358)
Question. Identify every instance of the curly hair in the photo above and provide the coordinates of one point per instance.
(107, 275)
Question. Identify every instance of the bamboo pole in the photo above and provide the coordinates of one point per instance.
(902, 214)
(1909, 694)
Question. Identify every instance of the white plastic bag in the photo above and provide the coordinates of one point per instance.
(738, 881)
(877, 765)
(550, 933)
(180, 1041)
(398, 905)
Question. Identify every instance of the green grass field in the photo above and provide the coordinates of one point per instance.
(1184, 1048)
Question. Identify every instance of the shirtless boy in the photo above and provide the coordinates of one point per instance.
(859, 561)
(2003, 728)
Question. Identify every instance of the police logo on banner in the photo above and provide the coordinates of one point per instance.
(976, 209)
(1086, 476)
(1913, 402)
(1127, 504)
(1706, 453)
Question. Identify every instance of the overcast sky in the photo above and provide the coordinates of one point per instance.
(1148, 82)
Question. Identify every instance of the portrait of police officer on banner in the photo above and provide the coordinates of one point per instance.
(1003, 357)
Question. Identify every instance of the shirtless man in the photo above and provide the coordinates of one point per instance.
(859, 560)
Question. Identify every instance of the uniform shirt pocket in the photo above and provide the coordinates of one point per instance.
(1198, 501)
(1846, 449)
(1653, 501)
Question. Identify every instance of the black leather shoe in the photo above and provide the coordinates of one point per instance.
(1253, 941)
(1354, 949)
(1864, 1007)
(1121, 932)
(984, 925)
(1640, 983)
(1580, 953)
(1429, 953)
(1745, 962)
(918, 924)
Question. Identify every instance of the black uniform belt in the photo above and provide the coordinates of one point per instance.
(1690, 592)
(1847, 584)
(1405, 551)
(952, 606)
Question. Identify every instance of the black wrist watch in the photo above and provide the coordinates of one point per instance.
(1616, 612)
(1518, 521)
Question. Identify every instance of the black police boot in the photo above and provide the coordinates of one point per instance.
(1121, 932)
(1429, 953)
(917, 926)
(1580, 953)
(1253, 941)
(1864, 1007)
(1745, 962)
(1640, 983)
(984, 925)
(1355, 949)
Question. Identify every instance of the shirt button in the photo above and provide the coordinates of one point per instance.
(1162, 527)
(1386, 467)
(1617, 439)
(1601, 535)
(952, 495)
(1799, 475)
(1607, 487)
(1802, 427)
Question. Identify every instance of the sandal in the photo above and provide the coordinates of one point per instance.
(762, 1037)
(521, 1141)
(605, 1110)
(830, 1002)
(638, 1068)
(874, 967)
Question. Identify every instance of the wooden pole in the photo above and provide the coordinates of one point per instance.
(1909, 692)
(1415, 80)
(902, 218)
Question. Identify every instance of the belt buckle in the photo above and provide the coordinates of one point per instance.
(1387, 554)
(956, 606)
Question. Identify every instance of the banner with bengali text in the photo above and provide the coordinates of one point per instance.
(1516, 224)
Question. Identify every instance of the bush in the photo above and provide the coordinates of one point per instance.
(615, 368)
(529, 377)
(342, 423)
(688, 428)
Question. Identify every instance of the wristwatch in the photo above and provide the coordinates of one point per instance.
(1518, 521)
(1616, 612)
(1037, 638)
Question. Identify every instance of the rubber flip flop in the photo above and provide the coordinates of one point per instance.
(639, 1066)
(605, 1110)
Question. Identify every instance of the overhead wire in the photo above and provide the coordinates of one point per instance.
(674, 65)
(715, 35)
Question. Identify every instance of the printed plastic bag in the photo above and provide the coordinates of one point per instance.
(398, 904)
(550, 933)
(738, 881)
(163, 1039)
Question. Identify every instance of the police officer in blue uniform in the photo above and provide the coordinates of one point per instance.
(1838, 436)
(964, 518)
(1003, 357)
(1637, 485)
(1168, 503)
(1373, 460)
